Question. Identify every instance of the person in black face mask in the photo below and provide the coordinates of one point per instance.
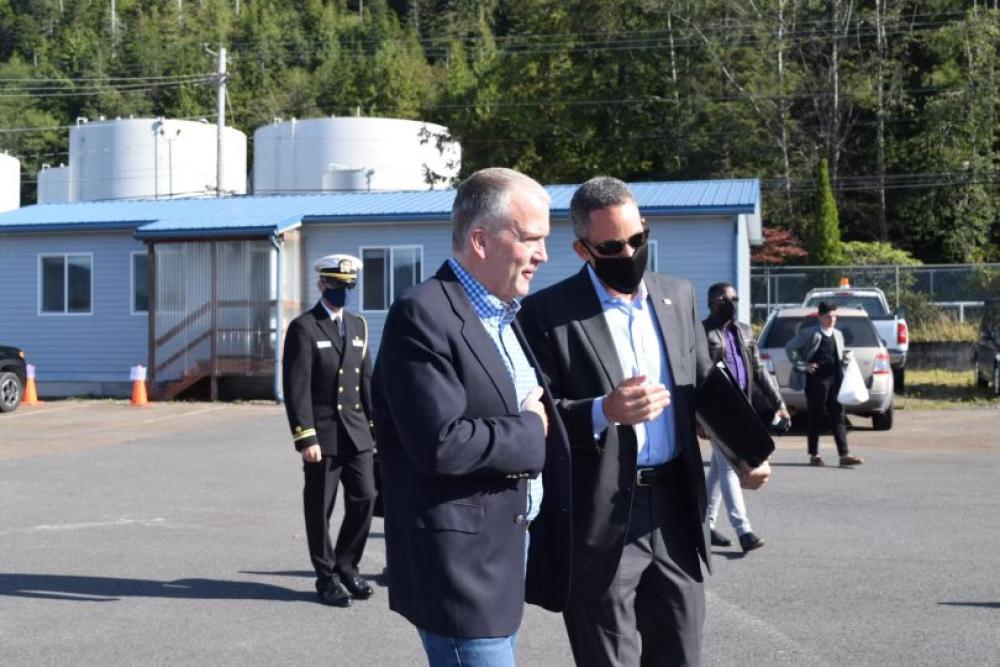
(326, 375)
(733, 343)
(623, 350)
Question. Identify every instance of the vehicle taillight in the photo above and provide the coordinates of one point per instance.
(766, 358)
(881, 365)
(901, 333)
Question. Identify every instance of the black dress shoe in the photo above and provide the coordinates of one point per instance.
(358, 587)
(333, 594)
(720, 540)
(749, 542)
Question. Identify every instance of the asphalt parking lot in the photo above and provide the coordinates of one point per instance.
(173, 535)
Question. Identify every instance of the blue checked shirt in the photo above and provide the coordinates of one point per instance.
(496, 317)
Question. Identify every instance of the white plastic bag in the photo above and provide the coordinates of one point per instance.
(852, 389)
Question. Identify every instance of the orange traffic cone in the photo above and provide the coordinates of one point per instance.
(138, 375)
(30, 390)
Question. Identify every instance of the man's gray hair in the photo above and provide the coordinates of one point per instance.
(598, 193)
(484, 199)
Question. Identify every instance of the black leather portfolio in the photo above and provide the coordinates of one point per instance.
(726, 415)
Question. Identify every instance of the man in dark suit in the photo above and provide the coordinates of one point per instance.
(732, 342)
(465, 426)
(623, 351)
(326, 371)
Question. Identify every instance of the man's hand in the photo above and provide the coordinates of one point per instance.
(753, 478)
(533, 403)
(811, 368)
(784, 414)
(633, 402)
(312, 454)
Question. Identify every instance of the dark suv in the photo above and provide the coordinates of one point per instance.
(987, 355)
(12, 377)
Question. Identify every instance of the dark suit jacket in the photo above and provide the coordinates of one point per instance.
(455, 452)
(760, 380)
(327, 383)
(567, 331)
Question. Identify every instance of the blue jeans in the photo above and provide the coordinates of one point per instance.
(445, 651)
(468, 652)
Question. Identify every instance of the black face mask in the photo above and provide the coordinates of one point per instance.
(622, 274)
(335, 296)
(725, 310)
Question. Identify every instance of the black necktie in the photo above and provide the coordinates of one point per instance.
(336, 328)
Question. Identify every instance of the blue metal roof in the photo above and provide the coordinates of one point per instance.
(254, 215)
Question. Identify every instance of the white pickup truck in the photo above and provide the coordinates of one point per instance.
(891, 327)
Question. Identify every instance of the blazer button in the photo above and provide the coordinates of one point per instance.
(339, 406)
(340, 390)
(357, 406)
(519, 519)
(357, 370)
(340, 371)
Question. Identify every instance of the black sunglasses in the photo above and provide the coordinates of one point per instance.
(615, 246)
(720, 299)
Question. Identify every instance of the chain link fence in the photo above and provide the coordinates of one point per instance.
(926, 292)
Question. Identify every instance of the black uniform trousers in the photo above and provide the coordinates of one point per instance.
(318, 497)
(654, 609)
(822, 388)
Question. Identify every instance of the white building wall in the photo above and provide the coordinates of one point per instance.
(54, 185)
(348, 153)
(146, 158)
(10, 182)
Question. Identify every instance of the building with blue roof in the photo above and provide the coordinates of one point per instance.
(200, 290)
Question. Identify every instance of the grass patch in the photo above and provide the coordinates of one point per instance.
(944, 330)
(942, 390)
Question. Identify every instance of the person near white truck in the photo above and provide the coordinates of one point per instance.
(891, 326)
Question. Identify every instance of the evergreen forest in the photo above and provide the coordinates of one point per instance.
(896, 99)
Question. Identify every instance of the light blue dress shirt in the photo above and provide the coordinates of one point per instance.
(496, 317)
(641, 351)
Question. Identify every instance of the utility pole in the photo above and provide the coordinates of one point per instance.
(114, 28)
(220, 115)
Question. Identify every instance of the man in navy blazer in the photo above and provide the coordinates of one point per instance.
(624, 350)
(474, 459)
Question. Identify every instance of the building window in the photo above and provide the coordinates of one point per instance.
(654, 257)
(387, 273)
(140, 283)
(66, 284)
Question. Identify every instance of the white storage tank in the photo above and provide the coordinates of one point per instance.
(142, 158)
(53, 184)
(10, 182)
(352, 153)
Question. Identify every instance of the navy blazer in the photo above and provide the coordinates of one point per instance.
(567, 330)
(455, 452)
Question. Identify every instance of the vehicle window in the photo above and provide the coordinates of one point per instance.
(991, 318)
(858, 331)
(871, 304)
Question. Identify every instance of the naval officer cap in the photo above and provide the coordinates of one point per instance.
(339, 269)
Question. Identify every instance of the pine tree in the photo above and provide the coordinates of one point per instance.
(823, 236)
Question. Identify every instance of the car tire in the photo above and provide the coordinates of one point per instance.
(11, 391)
(883, 422)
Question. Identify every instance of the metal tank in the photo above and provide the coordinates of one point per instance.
(353, 153)
(10, 182)
(142, 158)
(53, 184)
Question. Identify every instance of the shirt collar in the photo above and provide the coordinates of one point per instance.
(605, 298)
(484, 303)
(826, 332)
(333, 315)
